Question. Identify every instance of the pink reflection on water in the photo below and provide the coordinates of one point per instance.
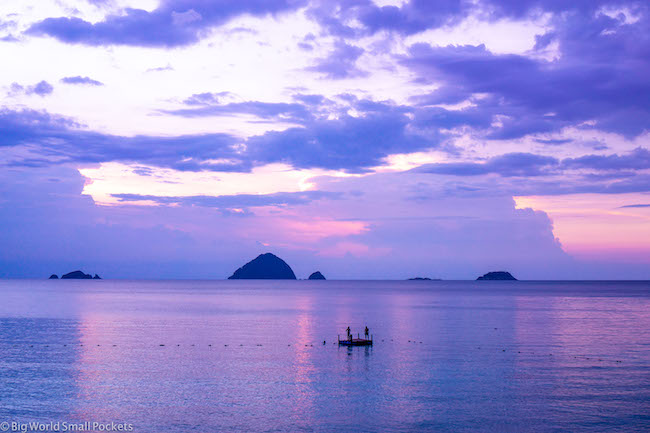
(303, 366)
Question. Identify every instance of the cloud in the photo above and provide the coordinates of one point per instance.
(638, 159)
(598, 81)
(173, 23)
(42, 88)
(81, 80)
(544, 175)
(635, 206)
(412, 17)
(62, 140)
(235, 201)
(416, 16)
(348, 143)
(340, 63)
(206, 104)
(161, 68)
(507, 165)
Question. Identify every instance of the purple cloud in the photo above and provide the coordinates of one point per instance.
(62, 140)
(507, 165)
(340, 63)
(239, 201)
(638, 159)
(42, 88)
(264, 110)
(599, 78)
(81, 80)
(173, 23)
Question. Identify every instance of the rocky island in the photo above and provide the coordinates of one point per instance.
(76, 275)
(53, 277)
(264, 267)
(317, 276)
(497, 276)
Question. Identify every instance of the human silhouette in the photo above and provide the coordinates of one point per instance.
(367, 331)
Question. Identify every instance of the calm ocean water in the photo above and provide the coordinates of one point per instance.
(231, 356)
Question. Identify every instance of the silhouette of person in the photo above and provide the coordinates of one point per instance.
(348, 331)
(367, 330)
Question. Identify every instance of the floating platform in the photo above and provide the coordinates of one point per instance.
(355, 342)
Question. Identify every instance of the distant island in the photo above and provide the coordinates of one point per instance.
(497, 275)
(75, 275)
(264, 267)
(424, 279)
(317, 276)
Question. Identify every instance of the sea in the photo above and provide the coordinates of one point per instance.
(263, 356)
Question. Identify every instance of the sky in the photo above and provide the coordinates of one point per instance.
(367, 139)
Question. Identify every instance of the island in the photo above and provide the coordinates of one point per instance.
(420, 279)
(497, 276)
(264, 267)
(317, 276)
(97, 277)
(76, 275)
(53, 277)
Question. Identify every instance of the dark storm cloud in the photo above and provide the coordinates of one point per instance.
(172, 23)
(81, 80)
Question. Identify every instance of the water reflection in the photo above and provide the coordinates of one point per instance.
(221, 356)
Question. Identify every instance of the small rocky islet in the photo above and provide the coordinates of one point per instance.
(317, 276)
(497, 276)
(75, 275)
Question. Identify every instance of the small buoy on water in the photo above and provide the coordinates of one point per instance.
(324, 342)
